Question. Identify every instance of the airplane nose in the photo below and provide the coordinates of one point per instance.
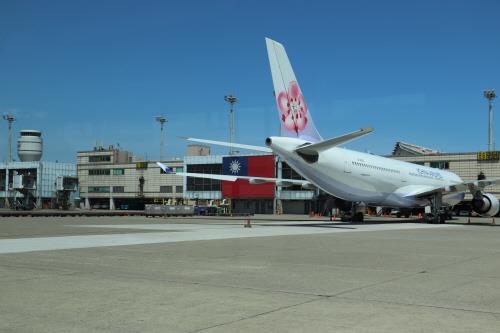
(269, 142)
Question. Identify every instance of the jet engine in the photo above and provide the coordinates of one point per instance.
(486, 204)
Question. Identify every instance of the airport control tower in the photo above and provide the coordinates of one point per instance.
(30, 146)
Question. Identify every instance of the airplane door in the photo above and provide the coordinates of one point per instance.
(403, 178)
(347, 167)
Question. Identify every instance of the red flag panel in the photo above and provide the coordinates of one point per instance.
(259, 166)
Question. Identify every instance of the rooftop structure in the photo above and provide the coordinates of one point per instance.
(409, 149)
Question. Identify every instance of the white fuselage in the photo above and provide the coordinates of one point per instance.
(361, 177)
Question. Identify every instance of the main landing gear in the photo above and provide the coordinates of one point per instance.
(355, 214)
(438, 214)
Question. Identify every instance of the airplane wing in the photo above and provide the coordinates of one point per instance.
(251, 179)
(473, 186)
(314, 148)
(229, 144)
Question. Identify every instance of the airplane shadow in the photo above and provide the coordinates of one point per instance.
(336, 225)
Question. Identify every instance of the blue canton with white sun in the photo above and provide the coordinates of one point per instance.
(235, 165)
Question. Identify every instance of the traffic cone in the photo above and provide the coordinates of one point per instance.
(247, 225)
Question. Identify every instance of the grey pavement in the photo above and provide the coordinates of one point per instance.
(311, 276)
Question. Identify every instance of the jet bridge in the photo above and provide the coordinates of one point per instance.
(24, 184)
(65, 185)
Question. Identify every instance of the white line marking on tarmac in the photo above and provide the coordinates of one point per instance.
(185, 232)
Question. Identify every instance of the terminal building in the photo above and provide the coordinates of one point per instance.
(31, 183)
(467, 165)
(240, 196)
(111, 178)
(114, 179)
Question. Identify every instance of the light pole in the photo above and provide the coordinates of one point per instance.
(231, 100)
(10, 119)
(162, 120)
(490, 96)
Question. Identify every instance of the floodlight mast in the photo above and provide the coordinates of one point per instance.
(162, 120)
(10, 119)
(231, 99)
(490, 96)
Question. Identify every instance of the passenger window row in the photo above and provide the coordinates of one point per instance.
(370, 166)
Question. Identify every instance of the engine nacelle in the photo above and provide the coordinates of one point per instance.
(486, 205)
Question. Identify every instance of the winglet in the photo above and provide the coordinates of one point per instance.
(165, 168)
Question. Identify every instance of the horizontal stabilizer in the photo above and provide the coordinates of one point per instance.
(314, 148)
(229, 144)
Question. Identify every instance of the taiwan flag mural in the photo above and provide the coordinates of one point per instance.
(258, 166)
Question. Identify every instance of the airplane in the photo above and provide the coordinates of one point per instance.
(351, 176)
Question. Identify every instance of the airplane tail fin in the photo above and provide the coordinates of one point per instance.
(295, 118)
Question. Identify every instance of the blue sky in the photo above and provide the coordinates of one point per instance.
(87, 71)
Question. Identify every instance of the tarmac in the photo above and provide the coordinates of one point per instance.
(300, 274)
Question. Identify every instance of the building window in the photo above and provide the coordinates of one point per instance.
(440, 165)
(99, 158)
(288, 173)
(178, 189)
(99, 172)
(179, 169)
(118, 189)
(166, 189)
(99, 189)
(204, 184)
(118, 172)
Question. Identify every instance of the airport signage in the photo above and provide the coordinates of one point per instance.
(141, 165)
(488, 156)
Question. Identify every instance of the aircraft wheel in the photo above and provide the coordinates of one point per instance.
(429, 218)
(358, 217)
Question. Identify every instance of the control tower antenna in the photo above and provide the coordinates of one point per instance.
(231, 100)
(490, 96)
(162, 120)
(10, 119)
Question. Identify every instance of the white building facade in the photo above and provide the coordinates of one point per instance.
(115, 179)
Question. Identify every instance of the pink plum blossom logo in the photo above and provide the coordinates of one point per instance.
(293, 108)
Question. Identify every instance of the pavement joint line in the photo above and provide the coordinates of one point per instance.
(256, 315)
(419, 305)
(375, 284)
(423, 271)
(465, 260)
(200, 283)
(203, 284)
